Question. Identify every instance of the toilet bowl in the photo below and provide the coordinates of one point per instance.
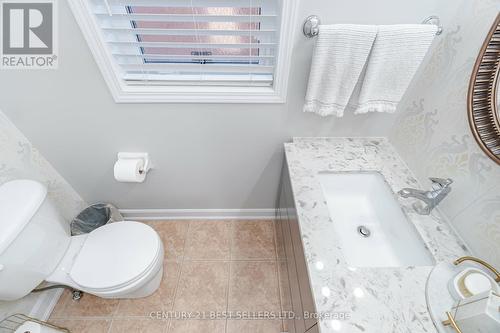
(117, 260)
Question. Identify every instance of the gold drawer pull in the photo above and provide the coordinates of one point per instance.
(481, 262)
(451, 322)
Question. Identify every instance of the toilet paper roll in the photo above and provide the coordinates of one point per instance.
(129, 171)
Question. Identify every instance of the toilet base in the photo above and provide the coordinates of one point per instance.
(146, 290)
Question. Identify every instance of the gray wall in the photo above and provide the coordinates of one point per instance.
(432, 131)
(206, 156)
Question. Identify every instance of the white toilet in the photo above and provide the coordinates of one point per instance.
(118, 260)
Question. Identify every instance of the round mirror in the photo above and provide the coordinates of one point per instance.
(483, 99)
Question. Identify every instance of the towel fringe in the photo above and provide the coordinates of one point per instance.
(323, 110)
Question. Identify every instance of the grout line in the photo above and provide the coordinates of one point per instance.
(102, 318)
(110, 325)
(275, 240)
(275, 226)
(231, 241)
(96, 318)
(176, 289)
(186, 239)
(186, 235)
(227, 293)
(196, 219)
(174, 298)
(231, 260)
(115, 311)
(231, 244)
(169, 325)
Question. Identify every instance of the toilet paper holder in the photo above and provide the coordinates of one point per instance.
(134, 156)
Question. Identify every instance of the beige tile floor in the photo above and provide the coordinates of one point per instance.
(209, 266)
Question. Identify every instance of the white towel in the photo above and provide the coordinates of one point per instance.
(397, 53)
(339, 58)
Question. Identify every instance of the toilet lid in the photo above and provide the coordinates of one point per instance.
(115, 254)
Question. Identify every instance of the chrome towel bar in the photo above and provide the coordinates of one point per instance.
(312, 22)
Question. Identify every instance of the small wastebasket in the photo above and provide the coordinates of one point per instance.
(93, 217)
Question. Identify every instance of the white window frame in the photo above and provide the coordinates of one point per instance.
(124, 93)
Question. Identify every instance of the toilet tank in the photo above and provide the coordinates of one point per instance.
(33, 237)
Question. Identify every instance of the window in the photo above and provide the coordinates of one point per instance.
(190, 50)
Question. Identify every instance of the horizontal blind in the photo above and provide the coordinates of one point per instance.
(192, 42)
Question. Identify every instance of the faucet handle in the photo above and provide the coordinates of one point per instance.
(440, 183)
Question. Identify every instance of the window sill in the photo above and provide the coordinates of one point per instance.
(195, 94)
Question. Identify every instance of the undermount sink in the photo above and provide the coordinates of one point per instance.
(372, 229)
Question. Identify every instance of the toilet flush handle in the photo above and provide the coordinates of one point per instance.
(1, 267)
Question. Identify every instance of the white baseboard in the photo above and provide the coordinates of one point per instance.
(45, 303)
(193, 214)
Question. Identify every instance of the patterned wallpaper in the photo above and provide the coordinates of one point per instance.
(18, 159)
(432, 131)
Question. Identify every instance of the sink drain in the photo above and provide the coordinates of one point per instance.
(364, 231)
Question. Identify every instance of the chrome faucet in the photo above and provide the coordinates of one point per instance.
(440, 189)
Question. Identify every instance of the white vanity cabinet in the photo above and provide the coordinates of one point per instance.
(296, 289)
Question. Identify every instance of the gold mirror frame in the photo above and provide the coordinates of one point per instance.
(482, 97)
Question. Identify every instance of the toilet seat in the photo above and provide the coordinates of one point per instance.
(115, 256)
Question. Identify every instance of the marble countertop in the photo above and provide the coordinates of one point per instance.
(369, 300)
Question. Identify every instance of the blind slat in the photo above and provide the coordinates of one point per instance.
(193, 45)
(197, 68)
(187, 32)
(123, 56)
(125, 18)
(183, 3)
